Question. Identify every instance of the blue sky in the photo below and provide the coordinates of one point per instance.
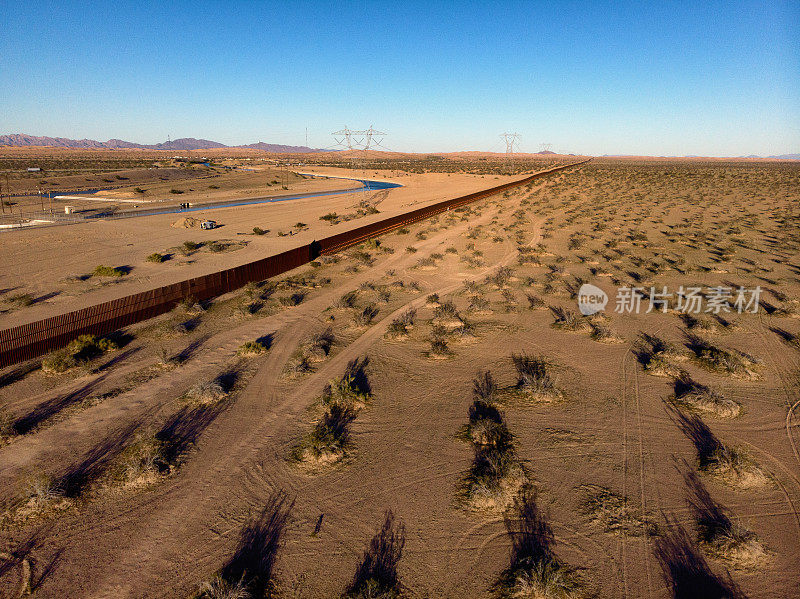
(660, 78)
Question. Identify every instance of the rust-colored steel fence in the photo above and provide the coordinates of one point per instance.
(34, 339)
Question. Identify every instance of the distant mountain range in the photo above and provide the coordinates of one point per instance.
(183, 144)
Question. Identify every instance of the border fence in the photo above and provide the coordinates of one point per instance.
(34, 339)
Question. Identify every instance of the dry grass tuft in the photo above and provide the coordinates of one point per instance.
(496, 475)
(613, 514)
(694, 396)
(731, 464)
(658, 357)
(400, 326)
(535, 571)
(376, 576)
(533, 377)
(81, 351)
(719, 535)
(686, 573)
(329, 441)
(736, 364)
(568, 320)
(249, 572)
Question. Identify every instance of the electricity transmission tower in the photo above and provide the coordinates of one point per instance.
(510, 139)
(545, 147)
(361, 141)
(358, 140)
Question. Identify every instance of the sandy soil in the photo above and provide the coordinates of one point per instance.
(612, 223)
(49, 263)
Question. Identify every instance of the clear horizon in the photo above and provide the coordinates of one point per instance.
(667, 79)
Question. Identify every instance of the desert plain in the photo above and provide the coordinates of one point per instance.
(425, 415)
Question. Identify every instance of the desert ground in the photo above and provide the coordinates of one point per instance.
(427, 414)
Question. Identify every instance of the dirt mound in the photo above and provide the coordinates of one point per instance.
(186, 222)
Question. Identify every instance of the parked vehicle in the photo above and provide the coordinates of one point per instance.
(208, 224)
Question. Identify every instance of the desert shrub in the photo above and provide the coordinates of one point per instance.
(362, 257)
(189, 246)
(366, 315)
(439, 347)
(58, 361)
(400, 325)
(293, 299)
(260, 231)
(411, 249)
(376, 576)
(80, 351)
(731, 464)
(351, 390)
(252, 348)
(156, 257)
(432, 299)
(500, 277)
(348, 300)
(249, 572)
(331, 217)
(721, 360)
(657, 356)
(222, 589)
(719, 534)
(108, 271)
(176, 191)
(329, 440)
(216, 246)
(535, 570)
(139, 190)
(208, 392)
(320, 343)
(695, 396)
(330, 435)
(699, 324)
(408, 317)
(613, 513)
(484, 387)
(478, 303)
(532, 374)
(603, 333)
(446, 309)
(686, 572)
(495, 474)
(20, 300)
(141, 459)
(534, 301)
(567, 319)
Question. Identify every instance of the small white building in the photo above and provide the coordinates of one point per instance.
(34, 169)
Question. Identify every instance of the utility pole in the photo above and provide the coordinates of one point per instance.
(545, 148)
